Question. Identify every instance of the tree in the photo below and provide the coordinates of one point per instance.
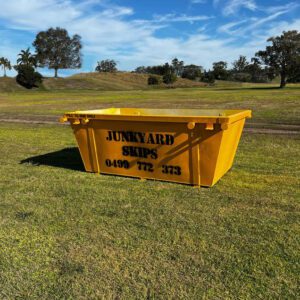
(282, 55)
(241, 76)
(294, 76)
(26, 58)
(208, 77)
(256, 72)
(158, 70)
(26, 64)
(220, 70)
(169, 75)
(141, 70)
(27, 76)
(154, 80)
(5, 64)
(108, 65)
(177, 66)
(240, 64)
(192, 72)
(56, 50)
(169, 78)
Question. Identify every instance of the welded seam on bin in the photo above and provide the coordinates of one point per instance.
(198, 163)
(90, 149)
(194, 159)
(95, 150)
(81, 154)
(190, 158)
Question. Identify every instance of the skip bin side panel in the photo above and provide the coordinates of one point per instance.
(143, 149)
(228, 147)
(210, 142)
(85, 145)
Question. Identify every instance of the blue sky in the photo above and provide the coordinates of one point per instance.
(147, 32)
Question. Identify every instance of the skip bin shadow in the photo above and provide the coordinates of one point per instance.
(67, 158)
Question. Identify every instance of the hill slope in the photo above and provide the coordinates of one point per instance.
(109, 82)
(96, 81)
(8, 84)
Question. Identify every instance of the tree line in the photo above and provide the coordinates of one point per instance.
(56, 50)
(281, 58)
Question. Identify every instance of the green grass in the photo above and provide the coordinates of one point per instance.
(269, 105)
(67, 234)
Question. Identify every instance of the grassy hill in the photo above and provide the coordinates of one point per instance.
(8, 84)
(108, 82)
(97, 81)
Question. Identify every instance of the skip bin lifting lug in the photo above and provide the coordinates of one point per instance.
(63, 119)
(76, 122)
(85, 121)
(209, 126)
(191, 125)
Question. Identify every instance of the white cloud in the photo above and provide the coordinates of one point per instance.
(117, 12)
(274, 9)
(198, 1)
(170, 18)
(278, 28)
(32, 14)
(110, 31)
(232, 7)
(238, 28)
(229, 27)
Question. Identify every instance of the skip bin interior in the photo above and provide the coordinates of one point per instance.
(187, 146)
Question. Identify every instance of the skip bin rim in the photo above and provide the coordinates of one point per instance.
(100, 114)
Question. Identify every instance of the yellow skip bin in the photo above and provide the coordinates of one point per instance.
(189, 146)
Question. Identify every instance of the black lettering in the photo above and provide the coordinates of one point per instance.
(172, 170)
(169, 139)
(153, 153)
(109, 137)
(116, 136)
(146, 152)
(150, 167)
(134, 138)
(125, 150)
(134, 151)
(125, 136)
(150, 139)
(177, 170)
(108, 162)
(139, 152)
(141, 136)
(159, 139)
(126, 164)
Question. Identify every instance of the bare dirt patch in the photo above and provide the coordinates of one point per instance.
(262, 128)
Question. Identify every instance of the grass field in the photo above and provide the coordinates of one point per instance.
(270, 105)
(67, 234)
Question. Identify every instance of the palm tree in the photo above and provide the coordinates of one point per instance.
(5, 64)
(26, 58)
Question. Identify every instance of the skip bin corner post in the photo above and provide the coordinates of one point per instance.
(194, 154)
